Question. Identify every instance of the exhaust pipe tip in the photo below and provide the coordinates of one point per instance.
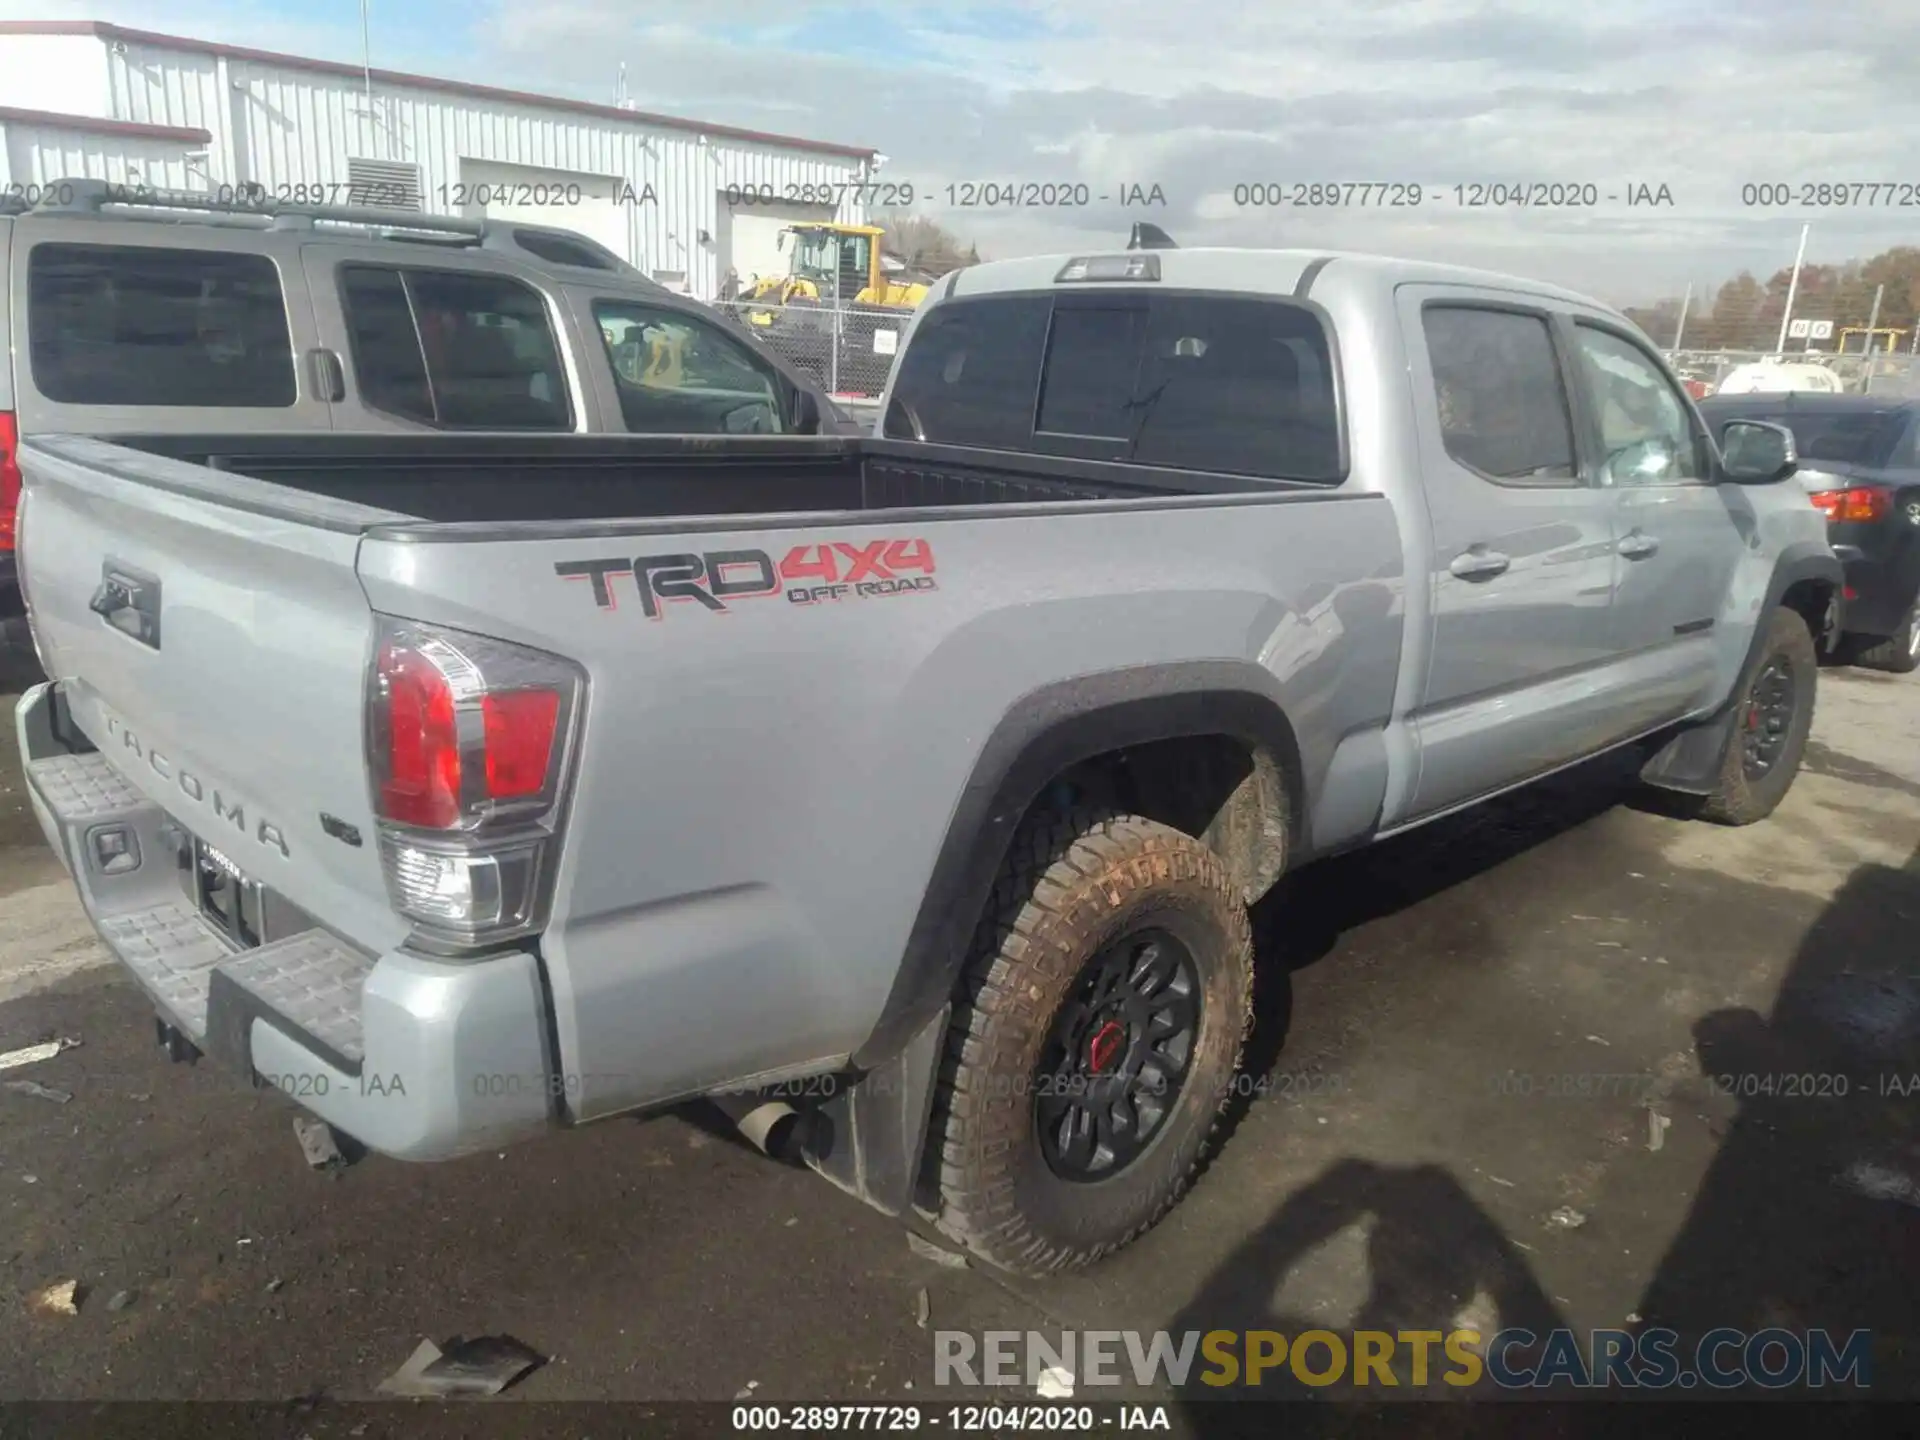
(772, 1127)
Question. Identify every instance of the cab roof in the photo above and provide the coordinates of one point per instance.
(1256, 271)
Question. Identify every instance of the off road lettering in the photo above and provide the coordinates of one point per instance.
(808, 574)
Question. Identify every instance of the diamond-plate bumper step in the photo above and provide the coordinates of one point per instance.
(80, 789)
(173, 954)
(312, 980)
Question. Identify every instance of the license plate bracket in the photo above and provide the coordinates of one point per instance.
(232, 903)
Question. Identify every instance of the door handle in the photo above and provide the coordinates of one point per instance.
(329, 380)
(1477, 564)
(1638, 546)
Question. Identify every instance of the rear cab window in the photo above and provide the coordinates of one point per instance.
(1225, 383)
(152, 326)
(455, 349)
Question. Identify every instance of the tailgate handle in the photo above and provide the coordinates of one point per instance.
(129, 602)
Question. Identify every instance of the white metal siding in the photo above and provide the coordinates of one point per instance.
(287, 126)
(42, 154)
(547, 197)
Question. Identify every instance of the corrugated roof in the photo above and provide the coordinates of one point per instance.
(104, 31)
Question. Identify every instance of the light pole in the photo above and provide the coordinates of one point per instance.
(1873, 321)
(1793, 288)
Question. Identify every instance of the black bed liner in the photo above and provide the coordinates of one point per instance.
(504, 478)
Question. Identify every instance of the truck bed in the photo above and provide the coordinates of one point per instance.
(471, 478)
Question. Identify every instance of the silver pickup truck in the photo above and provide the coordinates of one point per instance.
(464, 787)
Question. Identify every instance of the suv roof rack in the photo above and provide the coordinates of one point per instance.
(255, 209)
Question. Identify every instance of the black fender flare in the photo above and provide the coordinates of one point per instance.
(1690, 761)
(871, 1134)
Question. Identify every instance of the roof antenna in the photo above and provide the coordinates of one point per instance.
(1150, 237)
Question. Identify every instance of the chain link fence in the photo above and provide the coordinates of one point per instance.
(846, 350)
(1892, 375)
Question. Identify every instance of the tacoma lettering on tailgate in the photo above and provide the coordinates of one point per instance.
(808, 575)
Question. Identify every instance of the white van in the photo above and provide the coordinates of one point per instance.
(1777, 376)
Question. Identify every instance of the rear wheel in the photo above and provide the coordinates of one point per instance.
(1107, 1003)
(1899, 653)
(1773, 717)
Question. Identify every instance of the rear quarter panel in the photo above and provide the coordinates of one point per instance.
(764, 790)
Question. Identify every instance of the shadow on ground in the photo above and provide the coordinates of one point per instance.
(1806, 1218)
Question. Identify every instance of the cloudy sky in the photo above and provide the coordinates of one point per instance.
(1201, 96)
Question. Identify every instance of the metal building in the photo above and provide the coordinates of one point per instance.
(682, 199)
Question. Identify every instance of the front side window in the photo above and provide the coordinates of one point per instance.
(139, 325)
(1646, 437)
(457, 349)
(1501, 397)
(677, 375)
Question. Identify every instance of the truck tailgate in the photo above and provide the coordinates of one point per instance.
(213, 641)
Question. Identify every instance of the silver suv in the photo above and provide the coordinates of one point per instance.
(136, 311)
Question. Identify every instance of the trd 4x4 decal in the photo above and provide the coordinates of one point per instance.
(808, 574)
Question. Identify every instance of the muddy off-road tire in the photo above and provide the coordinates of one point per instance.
(1771, 721)
(1897, 653)
(1098, 1036)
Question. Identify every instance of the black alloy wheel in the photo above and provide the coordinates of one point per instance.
(1118, 1056)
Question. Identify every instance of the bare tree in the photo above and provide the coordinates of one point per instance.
(925, 245)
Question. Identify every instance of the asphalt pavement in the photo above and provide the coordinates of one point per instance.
(1499, 1081)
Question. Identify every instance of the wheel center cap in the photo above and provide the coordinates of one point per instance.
(1105, 1044)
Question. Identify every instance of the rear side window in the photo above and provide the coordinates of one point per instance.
(969, 374)
(1503, 403)
(129, 325)
(456, 349)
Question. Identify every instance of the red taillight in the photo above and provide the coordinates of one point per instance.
(9, 477)
(1861, 503)
(467, 745)
(520, 727)
(462, 725)
(421, 783)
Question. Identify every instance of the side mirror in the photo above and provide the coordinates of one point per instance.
(806, 413)
(1757, 452)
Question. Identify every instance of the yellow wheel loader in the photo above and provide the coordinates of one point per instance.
(829, 262)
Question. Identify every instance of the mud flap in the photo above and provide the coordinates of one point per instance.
(1690, 762)
(869, 1137)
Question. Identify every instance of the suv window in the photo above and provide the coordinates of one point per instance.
(678, 375)
(1503, 402)
(458, 349)
(969, 373)
(1646, 436)
(129, 325)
